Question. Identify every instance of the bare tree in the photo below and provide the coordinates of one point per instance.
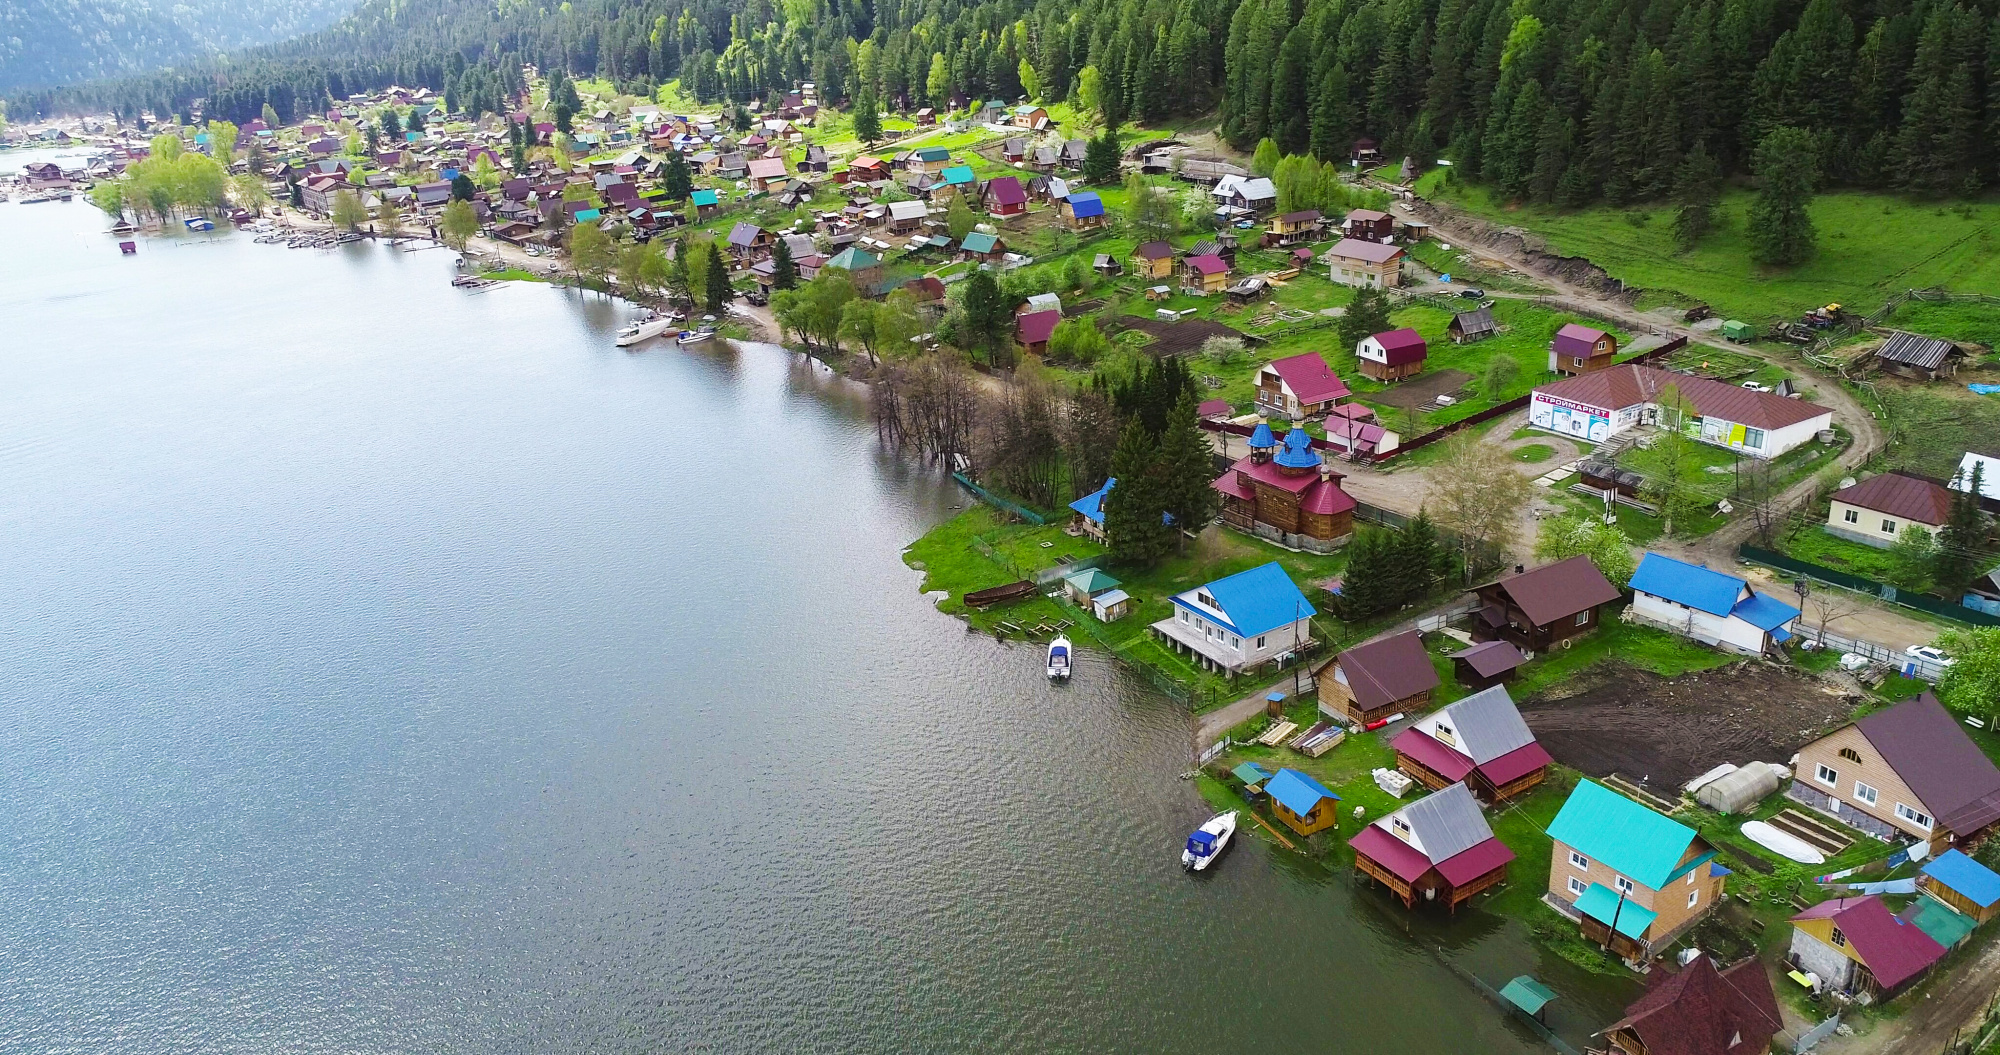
(1826, 607)
(1757, 494)
(1476, 494)
(1018, 443)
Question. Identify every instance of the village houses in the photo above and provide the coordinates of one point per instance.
(1633, 879)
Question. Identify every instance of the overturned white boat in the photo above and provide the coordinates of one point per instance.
(1206, 844)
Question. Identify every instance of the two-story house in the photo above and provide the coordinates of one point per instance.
(1633, 879)
(1241, 621)
(1298, 387)
(1905, 772)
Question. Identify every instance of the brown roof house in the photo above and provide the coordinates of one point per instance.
(1153, 260)
(1370, 682)
(1580, 349)
(1354, 262)
(1392, 355)
(1879, 508)
(1538, 610)
(1287, 493)
(1369, 225)
(1906, 772)
(1603, 403)
(1486, 664)
(1700, 1010)
(1437, 849)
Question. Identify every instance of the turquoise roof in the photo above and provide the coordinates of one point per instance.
(1297, 792)
(1601, 904)
(1251, 773)
(852, 259)
(587, 215)
(957, 175)
(703, 197)
(978, 242)
(1638, 843)
(1527, 994)
(933, 154)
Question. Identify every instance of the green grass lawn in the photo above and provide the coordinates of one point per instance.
(1821, 546)
(1975, 323)
(1871, 246)
(1534, 453)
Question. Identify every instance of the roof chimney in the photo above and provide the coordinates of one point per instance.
(1519, 569)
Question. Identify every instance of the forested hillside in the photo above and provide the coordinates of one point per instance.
(49, 42)
(1564, 101)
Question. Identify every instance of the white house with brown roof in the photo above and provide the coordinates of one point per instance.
(1354, 262)
(1879, 508)
(1603, 403)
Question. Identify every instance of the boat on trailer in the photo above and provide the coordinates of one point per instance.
(1059, 657)
(1207, 842)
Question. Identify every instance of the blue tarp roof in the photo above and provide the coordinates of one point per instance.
(1092, 504)
(1978, 883)
(1690, 584)
(1632, 840)
(1259, 600)
(1765, 612)
(1085, 203)
(1601, 904)
(1297, 792)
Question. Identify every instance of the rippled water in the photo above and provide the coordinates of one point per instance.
(389, 668)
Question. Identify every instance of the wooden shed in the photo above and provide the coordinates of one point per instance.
(1963, 883)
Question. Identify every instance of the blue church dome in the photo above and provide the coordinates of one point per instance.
(1298, 452)
(1262, 437)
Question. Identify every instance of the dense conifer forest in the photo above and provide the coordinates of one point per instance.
(1563, 101)
(48, 42)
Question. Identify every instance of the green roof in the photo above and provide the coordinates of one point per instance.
(978, 242)
(1945, 926)
(1251, 773)
(1090, 580)
(1527, 994)
(933, 154)
(1600, 904)
(852, 259)
(1640, 844)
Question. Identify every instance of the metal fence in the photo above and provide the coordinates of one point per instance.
(998, 502)
(1811, 1038)
(1845, 580)
(1212, 752)
(1903, 662)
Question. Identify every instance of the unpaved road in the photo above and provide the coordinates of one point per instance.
(1946, 1006)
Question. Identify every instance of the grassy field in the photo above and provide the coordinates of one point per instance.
(1972, 323)
(1823, 547)
(1870, 247)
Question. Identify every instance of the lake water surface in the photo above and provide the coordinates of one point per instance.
(391, 668)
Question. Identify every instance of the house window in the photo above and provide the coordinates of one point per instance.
(1839, 939)
(1235, 642)
(1888, 526)
(1753, 438)
(1445, 734)
(1583, 617)
(1579, 862)
(1260, 640)
(1864, 793)
(1851, 755)
(1576, 886)
(1694, 897)
(1827, 775)
(1183, 614)
(1623, 884)
(1921, 820)
(1402, 828)
(1852, 516)
(1576, 361)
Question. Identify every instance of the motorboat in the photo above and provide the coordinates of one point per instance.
(1206, 844)
(696, 336)
(198, 223)
(644, 330)
(1059, 654)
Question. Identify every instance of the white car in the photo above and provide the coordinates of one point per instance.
(1928, 654)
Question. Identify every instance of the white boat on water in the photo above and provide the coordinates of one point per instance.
(696, 336)
(1206, 844)
(644, 331)
(1059, 653)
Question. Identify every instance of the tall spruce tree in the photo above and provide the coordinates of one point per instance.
(1133, 523)
(1780, 228)
(1187, 468)
(784, 270)
(1697, 189)
(716, 289)
(1367, 314)
(1100, 158)
(1962, 552)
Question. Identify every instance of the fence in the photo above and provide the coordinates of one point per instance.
(1832, 577)
(1817, 351)
(998, 502)
(1811, 1038)
(1903, 662)
(1212, 752)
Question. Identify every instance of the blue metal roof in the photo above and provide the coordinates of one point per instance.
(1086, 203)
(1975, 881)
(1262, 436)
(1765, 612)
(1298, 452)
(1297, 792)
(1638, 843)
(1259, 600)
(1690, 584)
(1092, 504)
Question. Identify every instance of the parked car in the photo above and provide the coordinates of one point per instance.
(1928, 654)
(1472, 293)
(1755, 387)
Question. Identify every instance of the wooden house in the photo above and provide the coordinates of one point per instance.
(1353, 262)
(1106, 265)
(749, 243)
(1033, 329)
(1369, 225)
(906, 216)
(1304, 804)
(1004, 197)
(1393, 355)
(1437, 849)
(1293, 228)
(1153, 260)
(1298, 387)
(1466, 327)
(1918, 358)
(1538, 610)
(863, 268)
(932, 160)
(1480, 741)
(706, 203)
(816, 160)
(1970, 888)
(926, 117)
(1906, 772)
(1634, 880)
(1089, 518)
(1857, 947)
(1486, 664)
(1014, 150)
(982, 247)
(1082, 211)
(1372, 681)
(1203, 275)
(1578, 349)
(1029, 116)
(1700, 1010)
(867, 170)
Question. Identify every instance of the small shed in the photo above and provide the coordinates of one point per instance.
(1304, 804)
(1088, 583)
(1111, 606)
(1527, 996)
(1253, 777)
(1467, 327)
(1917, 357)
(1964, 884)
(1107, 265)
(1486, 664)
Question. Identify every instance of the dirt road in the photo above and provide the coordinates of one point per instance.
(1945, 1007)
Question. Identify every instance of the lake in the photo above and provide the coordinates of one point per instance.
(388, 667)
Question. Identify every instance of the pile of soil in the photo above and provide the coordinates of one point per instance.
(1666, 731)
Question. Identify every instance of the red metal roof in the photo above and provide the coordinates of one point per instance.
(1006, 190)
(1574, 339)
(1402, 346)
(1616, 387)
(1036, 326)
(1475, 861)
(1894, 950)
(1927, 748)
(1435, 756)
(1900, 496)
(1207, 264)
(1391, 853)
(1515, 764)
(1309, 378)
(1153, 250)
(1700, 1010)
(1491, 657)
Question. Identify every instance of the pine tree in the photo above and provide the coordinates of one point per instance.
(1962, 553)
(1697, 189)
(1369, 585)
(1366, 315)
(1332, 116)
(461, 187)
(1780, 228)
(867, 122)
(678, 182)
(784, 270)
(1100, 158)
(1133, 522)
(716, 291)
(1187, 468)
(989, 319)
